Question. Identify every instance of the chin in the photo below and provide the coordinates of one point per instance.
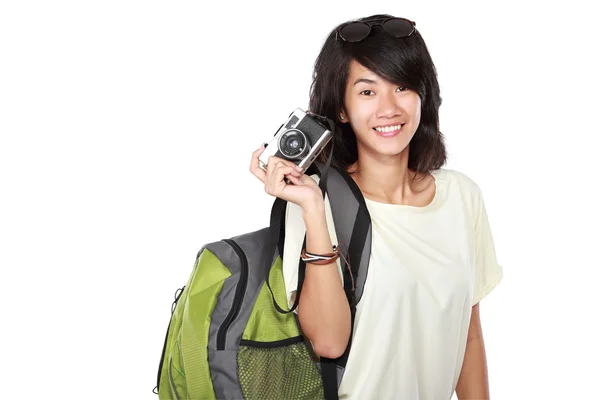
(391, 153)
(390, 149)
(387, 151)
(383, 146)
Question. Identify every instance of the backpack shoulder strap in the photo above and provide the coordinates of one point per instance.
(352, 226)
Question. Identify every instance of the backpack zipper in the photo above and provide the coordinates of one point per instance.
(238, 298)
(171, 379)
(178, 294)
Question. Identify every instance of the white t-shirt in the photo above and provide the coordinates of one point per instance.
(428, 267)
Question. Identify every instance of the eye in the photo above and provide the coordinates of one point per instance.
(402, 88)
(365, 92)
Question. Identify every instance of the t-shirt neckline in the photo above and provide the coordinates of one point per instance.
(405, 207)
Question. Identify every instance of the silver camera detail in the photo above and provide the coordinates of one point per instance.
(300, 139)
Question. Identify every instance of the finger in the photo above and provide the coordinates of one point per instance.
(271, 165)
(276, 172)
(255, 168)
(278, 159)
(296, 181)
(255, 155)
(282, 172)
(260, 150)
(276, 162)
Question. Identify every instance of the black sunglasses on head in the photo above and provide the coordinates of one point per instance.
(355, 31)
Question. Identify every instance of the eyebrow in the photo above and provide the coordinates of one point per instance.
(365, 80)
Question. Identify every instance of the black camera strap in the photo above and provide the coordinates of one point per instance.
(323, 180)
(277, 226)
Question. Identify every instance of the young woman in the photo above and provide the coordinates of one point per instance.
(417, 332)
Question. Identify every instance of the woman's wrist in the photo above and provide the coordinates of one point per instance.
(313, 211)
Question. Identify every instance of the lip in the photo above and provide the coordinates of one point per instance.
(389, 134)
(392, 124)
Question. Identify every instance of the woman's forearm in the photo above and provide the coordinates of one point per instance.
(473, 380)
(323, 309)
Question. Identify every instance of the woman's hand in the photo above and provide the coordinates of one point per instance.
(304, 192)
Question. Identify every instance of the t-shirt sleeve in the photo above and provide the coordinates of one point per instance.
(488, 273)
(292, 247)
(295, 230)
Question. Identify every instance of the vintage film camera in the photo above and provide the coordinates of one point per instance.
(300, 139)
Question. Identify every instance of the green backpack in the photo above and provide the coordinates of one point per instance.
(228, 338)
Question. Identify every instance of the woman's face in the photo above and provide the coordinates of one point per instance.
(375, 108)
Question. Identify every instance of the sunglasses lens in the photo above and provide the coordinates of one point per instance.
(398, 27)
(355, 31)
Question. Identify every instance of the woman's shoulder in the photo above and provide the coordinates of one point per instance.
(456, 180)
(460, 190)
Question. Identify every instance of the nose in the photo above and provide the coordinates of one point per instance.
(388, 106)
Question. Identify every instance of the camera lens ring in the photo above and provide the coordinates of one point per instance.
(293, 144)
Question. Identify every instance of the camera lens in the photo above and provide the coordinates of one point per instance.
(293, 144)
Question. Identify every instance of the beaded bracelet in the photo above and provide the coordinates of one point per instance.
(320, 259)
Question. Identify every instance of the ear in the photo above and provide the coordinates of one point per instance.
(343, 117)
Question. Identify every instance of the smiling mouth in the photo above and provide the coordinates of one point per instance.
(389, 130)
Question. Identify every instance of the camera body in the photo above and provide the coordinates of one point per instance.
(299, 140)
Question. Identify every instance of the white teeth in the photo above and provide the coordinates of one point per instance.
(389, 128)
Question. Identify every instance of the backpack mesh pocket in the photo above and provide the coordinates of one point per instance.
(278, 370)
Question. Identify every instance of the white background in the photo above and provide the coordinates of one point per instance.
(126, 132)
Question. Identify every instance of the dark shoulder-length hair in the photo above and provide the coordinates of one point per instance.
(403, 61)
